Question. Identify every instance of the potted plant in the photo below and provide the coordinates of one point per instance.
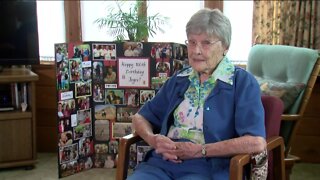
(132, 24)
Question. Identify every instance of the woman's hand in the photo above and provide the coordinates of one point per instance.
(162, 144)
(170, 150)
(188, 150)
(166, 147)
(175, 151)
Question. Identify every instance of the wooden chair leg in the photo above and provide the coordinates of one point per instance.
(289, 163)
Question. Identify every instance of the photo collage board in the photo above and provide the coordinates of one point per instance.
(99, 86)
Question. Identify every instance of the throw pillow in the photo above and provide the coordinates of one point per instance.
(287, 92)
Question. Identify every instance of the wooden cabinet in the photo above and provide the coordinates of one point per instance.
(18, 128)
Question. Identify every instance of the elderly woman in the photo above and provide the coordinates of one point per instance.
(203, 115)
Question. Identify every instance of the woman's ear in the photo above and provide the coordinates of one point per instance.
(225, 52)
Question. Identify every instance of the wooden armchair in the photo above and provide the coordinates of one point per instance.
(287, 65)
(123, 155)
(273, 109)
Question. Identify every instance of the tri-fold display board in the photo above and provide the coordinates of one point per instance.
(99, 86)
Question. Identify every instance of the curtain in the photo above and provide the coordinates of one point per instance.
(294, 23)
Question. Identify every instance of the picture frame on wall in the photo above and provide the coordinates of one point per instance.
(157, 82)
(131, 97)
(133, 73)
(83, 89)
(114, 96)
(81, 131)
(132, 49)
(121, 129)
(104, 51)
(68, 153)
(102, 130)
(105, 112)
(124, 113)
(146, 95)
(84, 116)
(75, 70)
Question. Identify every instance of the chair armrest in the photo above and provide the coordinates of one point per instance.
(274, 144)
(124, 153)
(290, 117)
(237, 164)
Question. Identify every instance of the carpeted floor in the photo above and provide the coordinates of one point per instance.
(305, 171)
(46, 169)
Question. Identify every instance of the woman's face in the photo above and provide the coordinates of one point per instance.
(204, 52)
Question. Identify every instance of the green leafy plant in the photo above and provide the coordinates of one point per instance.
(131, 23)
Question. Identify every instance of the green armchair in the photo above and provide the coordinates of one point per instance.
(289, 73)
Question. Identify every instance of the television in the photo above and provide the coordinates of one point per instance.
(19, 43)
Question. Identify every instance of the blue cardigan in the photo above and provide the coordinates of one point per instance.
(229, 111)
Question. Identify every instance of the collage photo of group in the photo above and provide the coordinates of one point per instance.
(100, 85)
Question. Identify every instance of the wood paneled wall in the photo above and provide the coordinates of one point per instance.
(46, 111)
(306, 143)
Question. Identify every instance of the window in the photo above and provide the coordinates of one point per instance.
(179, 13)
(240, 14)
(175, 32)
(51, 27)
(90, 11)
